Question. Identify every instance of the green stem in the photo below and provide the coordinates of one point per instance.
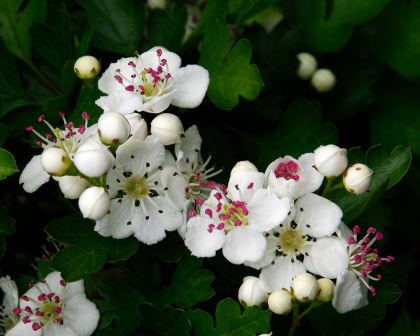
(298, 317)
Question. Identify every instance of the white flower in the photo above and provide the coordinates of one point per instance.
(280, 302)
(305, 287)
(68, 139)
(307, 65)
(151, 82)
(323, 80)
(168, 128)
(357, 178)
(53, 307)
(94, 203)
(251, 293)
(351, 262)
(55, 161)
(293, 178)
(113, 128)
(243, 166)
(8, 318)
(153, 4)
(312, 217)
(326, 290)
(148, 196)
(236, 223)
(330, 160)
(87, 67)
(72, 186)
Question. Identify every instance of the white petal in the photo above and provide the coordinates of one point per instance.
(57, 330)
(122, 102)
(329, 257)
(190, 84)
(317, 216)
(138, 126)
(22, 329)
(150, 59)
(311, 178)
(211, 203)
(107, 82)
(244, 244)
(11, 295)
(190, 145)
(33, 175)
(118, 223)
(74, 289)
(175, 184)
(266, 210)
(199, 241)
(281, 186)
(80, 315)
(280, 275)
(349, 294)
(243, 184)
(158, 104)
(343, 231)
(269, 254)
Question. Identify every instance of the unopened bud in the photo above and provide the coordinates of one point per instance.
(93, 159)
(87, 67)
(72, 186)
(113, 128)
(246, 166)
(323, 80)
(251, 293)
(305, 287)
(307, 65)
(153, 4)
(326, 290)
(94, 203)
(280, 302)
(330, 160)
(357, 178)
(168, 128)
(55, 161)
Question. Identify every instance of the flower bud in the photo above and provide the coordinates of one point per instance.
(307, 65)
(357, 178)
(94, 203)
(326, 290)
(168, 128)
(87, 67)
(161, 4)
(323, 80)
(330, 160)
(305, 287)
(93, 159)
(243, 166)
(251, 293)
(280, 302)
(55, 161)
(113, 128)
(72, 186)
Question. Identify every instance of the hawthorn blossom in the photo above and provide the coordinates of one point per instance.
(311, 218)
(53, 307)
(236, 222)
(352, 262)
(10, 300)
(293, 178)
(147, 194)
(151, 82)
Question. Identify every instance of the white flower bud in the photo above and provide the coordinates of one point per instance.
(93, 159)
(87, 67)
(323, 80)
(357, 178)
(307, 65)
(326, 290)
(305, 287)
(251, 293)
(113, 128)
(243, 166)
(168, 128)
(55, 161)
(72, 186)
(280, 302)
(161, 4)
(94, 203)
(330, 160)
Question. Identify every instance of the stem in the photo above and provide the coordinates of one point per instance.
(44, 79)
(330, 186)
(297, 318)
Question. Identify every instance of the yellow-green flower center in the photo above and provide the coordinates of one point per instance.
(136, 187)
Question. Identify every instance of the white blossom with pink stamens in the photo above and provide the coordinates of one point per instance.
(151, 82)
(10, 300)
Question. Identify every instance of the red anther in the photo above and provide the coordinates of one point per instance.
(191, 213)
(199, 201)
(118, 78)
(41, 118)
(63, 282)
(26, 319)
(209, 212)
(218, 196)
(42, 297)
(250, 185)
(237, 222)
(132, 64)
(36, 326)
(220, 226)
(17, 311)
(57, 310)
(212, 184)
(129, 88)
(159, 52)
(379, 236)
(85, 116)
(29, 128)
(163, 62)
(356, 229)
(167, 76)
(61, 114)
(219, 207)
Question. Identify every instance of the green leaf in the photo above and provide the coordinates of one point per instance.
(189, 285)
(230, 320)
(78, 261)
(7, 223)
(121, 303)
(89, 93)
(72, 230)
(171, 249)
(43, 268)
(7, 164)
(326, 33)
(120, 249)
(117, 25)
(387, 170)
(15, 24)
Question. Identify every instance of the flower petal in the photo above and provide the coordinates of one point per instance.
(266, 210)
(269, 254)
(312, 179)
(11, 295)
(349, 294)
(328, 256)
(150, 59)
(58, 330)
(122, 102)
(190, 83)
(80, 315)
(107, 82)
(138, 126)
(22, 329)
(175, 185)
(201, 242)
(243, 184)
(317, 216)
(190, 145)
(244, 244)
(158, 104)
(280, 274)
(33, 175)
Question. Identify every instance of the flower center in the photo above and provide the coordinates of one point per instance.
(291, 241)
(288, 170)
(7, 320)
(136, 187)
